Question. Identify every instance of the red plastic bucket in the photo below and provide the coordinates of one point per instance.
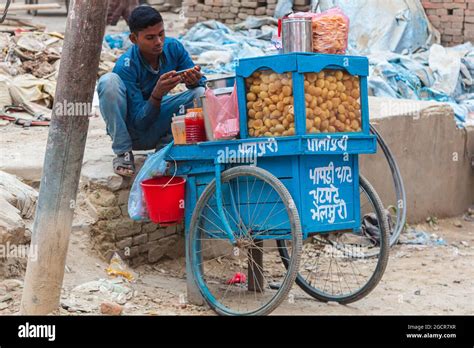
(164, 198)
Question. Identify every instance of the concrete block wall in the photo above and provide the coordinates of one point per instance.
(112, 230)
(165, 5)
(137, 242)
(453, 18)
(434, 157)
(232, 11)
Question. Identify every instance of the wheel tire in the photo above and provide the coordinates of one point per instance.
(292, 267)
(381, 265)
(400, 193)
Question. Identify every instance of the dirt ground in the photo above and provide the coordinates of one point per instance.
(419, 280)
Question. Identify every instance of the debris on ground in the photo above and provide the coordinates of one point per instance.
(469, 215)
(88, 297)
(12, 284)
(419, 237)
(17, 205)
(110, 308)
(433, 222)
(29, 65)
(118, 268)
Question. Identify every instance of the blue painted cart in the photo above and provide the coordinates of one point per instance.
(285, 201)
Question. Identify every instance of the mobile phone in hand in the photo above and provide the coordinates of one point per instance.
(183, 71)
(197, 68)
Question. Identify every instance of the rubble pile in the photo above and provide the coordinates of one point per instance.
(29, 65)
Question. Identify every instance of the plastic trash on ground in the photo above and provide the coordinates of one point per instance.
(118, 268)
(418, 237)
(238, 278)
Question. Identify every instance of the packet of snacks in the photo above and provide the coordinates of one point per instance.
(330, 31)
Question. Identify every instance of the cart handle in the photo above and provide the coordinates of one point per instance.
(175, 171)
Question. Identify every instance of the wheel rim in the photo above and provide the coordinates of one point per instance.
(224, 273)
(338, 266)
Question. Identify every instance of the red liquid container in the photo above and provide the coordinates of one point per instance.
(195, 130)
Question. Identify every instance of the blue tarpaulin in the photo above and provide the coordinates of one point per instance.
(250, 39)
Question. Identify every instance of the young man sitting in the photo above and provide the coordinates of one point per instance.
(133, 98)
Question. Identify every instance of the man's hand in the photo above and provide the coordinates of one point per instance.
(165, 84)
(192, 76)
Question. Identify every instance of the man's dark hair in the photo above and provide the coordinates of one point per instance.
(143, 17)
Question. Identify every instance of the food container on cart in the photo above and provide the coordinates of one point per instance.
(194, 123)
(178, 128)
(325, 88)
(297, 35)
(318, 104)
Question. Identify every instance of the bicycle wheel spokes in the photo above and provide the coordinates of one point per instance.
(345, 266)
(337, 265)
(237, 279)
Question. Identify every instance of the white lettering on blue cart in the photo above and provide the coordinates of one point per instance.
(327, 175)
(328, 144)
(326, 200)
(247, 152)
(260, 148)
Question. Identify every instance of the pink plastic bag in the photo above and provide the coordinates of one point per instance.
(223, 112)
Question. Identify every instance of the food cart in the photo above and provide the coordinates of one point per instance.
(285, 200)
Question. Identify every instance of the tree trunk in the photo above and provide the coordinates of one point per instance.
(65, 150)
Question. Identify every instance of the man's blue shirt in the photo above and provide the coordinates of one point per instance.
(140, 78)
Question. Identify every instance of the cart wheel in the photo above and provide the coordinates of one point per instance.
(346, 266)
(239, 280)
(398, 210)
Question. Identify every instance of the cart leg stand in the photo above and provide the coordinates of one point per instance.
(255, 267)
(193, 295)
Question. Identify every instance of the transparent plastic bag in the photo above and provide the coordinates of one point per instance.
(223, 113)
(330, 31)
(118, 268)
(155, 165)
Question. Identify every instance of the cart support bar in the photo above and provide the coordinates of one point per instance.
(220, 207)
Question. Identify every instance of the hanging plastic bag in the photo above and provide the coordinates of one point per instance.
(223, 112)
(155, 165)
(330, 31)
